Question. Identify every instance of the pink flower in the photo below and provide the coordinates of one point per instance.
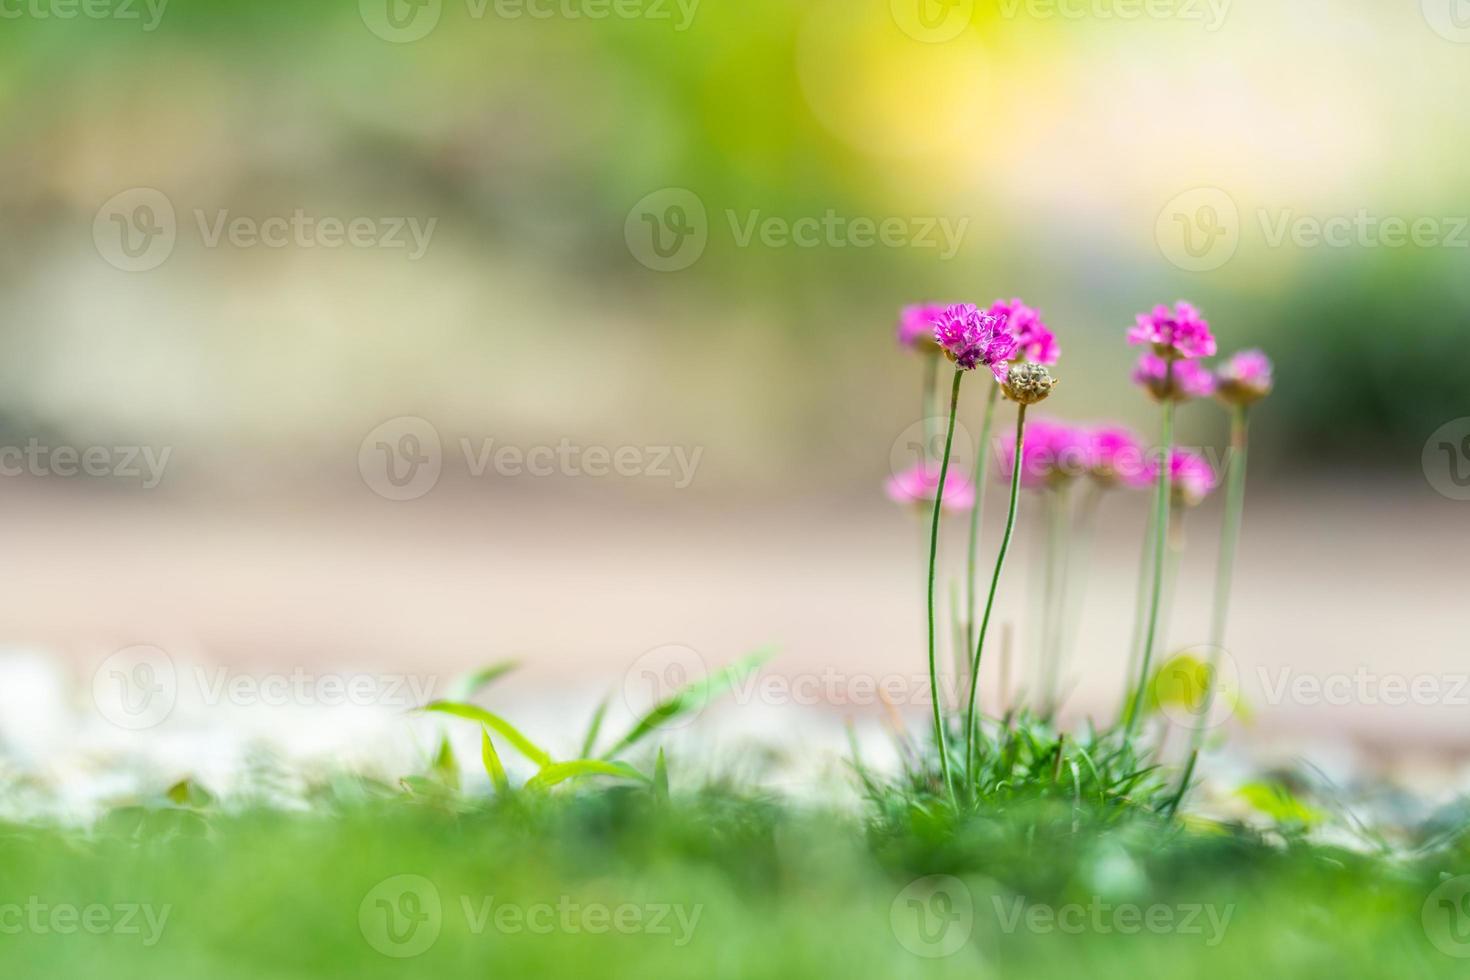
(1117, 457)
(1191, 476)
(972, 338)
(1053, 453)
(1244, 378)
(1169, 380)
(1036, 341)
(917, 484)
(1180, 333)
(916, 325)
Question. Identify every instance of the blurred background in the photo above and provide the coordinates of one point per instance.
(281, 280)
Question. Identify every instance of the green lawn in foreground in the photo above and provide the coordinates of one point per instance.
(616, 883)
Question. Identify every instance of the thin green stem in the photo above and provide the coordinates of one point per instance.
(982, 463)
(954, 401)
(1057, 501)
(1225, 570)
(931, 381)
(1140, 602)
(1074, 581)
(1161, 534)
(1000, 560)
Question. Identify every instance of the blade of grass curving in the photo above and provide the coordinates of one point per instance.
(468, 685)
(690, 697)
(493, 767)
(560, 772)
(661, 777)
(445, 766)
(594, 728)
(497, 724)
(1102, 795)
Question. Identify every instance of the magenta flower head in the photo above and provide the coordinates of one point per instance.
(1035, 341)
(971, 338)
(916, 325)
(1051, 455)
(1177, 381)
(917, 484)
(1244, 378)
(1177, 334)
(1191, 477)
(1116, 457)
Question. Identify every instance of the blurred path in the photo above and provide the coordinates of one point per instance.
(1349, 590)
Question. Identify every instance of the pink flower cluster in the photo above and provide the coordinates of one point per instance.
(917, 485)
(971, 338)
(1034, 339)
(1054, 452)
(1191, 476)
(916, 325)
(1177, 334)
(919, 325)
(1169, 380)
(1171, 371)
(1244, 378)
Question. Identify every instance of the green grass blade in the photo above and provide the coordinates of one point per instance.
(445, 766)
(491, 758)
(559, 772)
(468, 685)
(661, 778)
(497, 724)
(691, 697)
(594, 728)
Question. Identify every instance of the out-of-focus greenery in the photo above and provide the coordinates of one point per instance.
(1057, 140)
(778, 893)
